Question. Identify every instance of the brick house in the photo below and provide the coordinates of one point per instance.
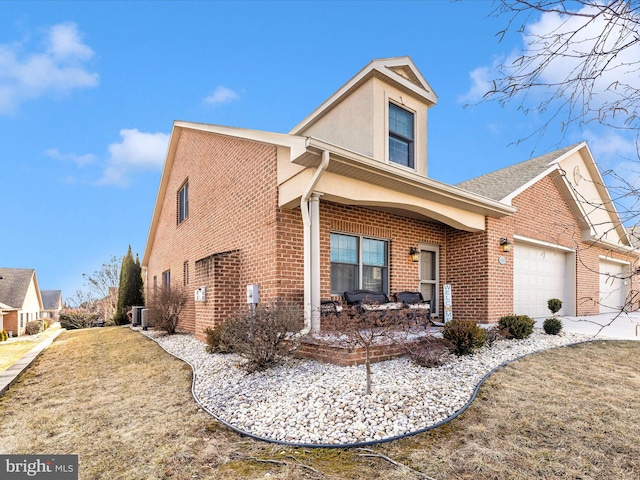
(344, 201)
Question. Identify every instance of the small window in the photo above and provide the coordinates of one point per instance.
(359, 263)
(166, 279)
(185, 272)
(401, 137)
(183, 202)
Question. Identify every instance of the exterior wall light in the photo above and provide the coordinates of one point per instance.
(505, 244)
(414, 253)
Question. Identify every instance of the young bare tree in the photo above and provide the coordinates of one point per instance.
(103, 288)
(351, 330)
(580, 63)
(167, 307)
(579, 66)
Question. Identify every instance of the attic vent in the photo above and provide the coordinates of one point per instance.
(407, 73)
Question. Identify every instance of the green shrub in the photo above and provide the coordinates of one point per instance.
(517, 326)
(554, 304)
(33, 327)
(216, 340)
(465, 335)
(552, 326)
(3, 335)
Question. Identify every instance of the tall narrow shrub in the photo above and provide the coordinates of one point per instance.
(130, 289)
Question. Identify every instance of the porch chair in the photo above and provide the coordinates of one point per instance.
(370, 301)
(414, 301)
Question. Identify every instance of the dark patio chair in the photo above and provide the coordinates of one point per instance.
(415, 301)
(370, 301)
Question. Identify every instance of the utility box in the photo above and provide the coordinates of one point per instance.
(253, 294)
(200, 295)
(145, 318)
(136, 315)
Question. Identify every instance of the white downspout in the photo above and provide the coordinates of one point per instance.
(311, 314)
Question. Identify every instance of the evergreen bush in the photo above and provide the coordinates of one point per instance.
(552, 326)
(3, 335)
(465, 335)
(517, 326)
(554, 304)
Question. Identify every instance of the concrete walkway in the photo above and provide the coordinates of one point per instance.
(619, 326)
(10, 375)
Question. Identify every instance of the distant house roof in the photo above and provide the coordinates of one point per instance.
(4, 307)
(51, 299)
(14, 285)
(501, 183)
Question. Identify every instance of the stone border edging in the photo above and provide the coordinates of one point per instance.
(358, 444)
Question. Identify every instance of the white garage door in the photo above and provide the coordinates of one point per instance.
(613, 286)
(540, 273)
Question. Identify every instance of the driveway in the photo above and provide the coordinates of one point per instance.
(621, 326)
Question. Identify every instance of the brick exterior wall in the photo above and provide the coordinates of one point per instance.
(234, 228)
(237, 235)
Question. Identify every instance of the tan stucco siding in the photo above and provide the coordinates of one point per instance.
(586, 192)
(360, 123)
(349, 124)
(348, 191)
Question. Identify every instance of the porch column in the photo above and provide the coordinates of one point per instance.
(314, 213)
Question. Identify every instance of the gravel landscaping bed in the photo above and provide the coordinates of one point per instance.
(311, 403)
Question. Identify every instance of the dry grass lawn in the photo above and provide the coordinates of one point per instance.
(124, 406)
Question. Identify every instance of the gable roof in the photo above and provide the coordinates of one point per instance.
(501, 184)
(14, 285)
(51, 299)
(589, 201)
(400, 72)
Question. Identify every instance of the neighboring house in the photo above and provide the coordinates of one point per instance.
(107, 306)
(19, 290)
(51, 304)
(344, 201)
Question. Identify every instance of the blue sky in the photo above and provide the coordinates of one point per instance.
(89, 92)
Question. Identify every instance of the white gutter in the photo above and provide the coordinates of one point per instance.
(310, 313)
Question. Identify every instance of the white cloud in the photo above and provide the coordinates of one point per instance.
(221, 95)
(621, 68)
(590, 36)
(57, 70)
(79, 160)
(610, 144)
(480, 84)
(136, 151)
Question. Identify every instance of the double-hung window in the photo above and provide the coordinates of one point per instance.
(359, 263)
(401, 136)
(166, 279)
(183, 202)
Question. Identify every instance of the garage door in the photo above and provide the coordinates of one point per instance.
(540, 273)
(613, 285)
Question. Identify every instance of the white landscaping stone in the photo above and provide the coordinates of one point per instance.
(309, 402)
